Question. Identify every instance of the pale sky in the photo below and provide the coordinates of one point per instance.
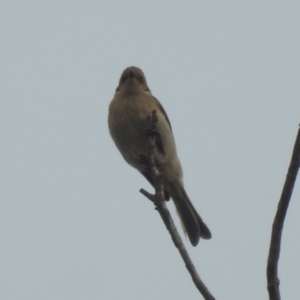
(73, 224)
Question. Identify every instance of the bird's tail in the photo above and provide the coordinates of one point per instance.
(192, 222)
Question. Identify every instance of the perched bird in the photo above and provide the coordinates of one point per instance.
(128, 121)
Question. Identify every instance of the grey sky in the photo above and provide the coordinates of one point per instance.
(72, 222)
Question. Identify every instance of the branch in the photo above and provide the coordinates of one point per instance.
(160, 206)
(274, 251)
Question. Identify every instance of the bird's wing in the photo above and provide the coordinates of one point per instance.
(163, 111)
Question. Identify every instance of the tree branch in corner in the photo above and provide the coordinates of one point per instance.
(274, 251)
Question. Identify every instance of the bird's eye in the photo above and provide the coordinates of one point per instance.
(141, 79)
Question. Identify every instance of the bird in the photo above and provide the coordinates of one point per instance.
(128, 121)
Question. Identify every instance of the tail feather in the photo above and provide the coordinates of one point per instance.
(193, 223)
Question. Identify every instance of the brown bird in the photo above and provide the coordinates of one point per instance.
(128, 121)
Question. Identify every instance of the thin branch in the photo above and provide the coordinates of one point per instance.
(160, 206)
(274, 251)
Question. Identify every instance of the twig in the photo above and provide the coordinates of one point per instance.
(274, 251)
(160, 205)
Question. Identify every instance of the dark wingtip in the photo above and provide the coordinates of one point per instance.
(205, 232)
(194, 241)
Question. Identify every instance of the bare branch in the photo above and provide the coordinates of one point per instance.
(274, 251)
(160, 206)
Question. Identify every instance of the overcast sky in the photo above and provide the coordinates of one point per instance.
(73, 224)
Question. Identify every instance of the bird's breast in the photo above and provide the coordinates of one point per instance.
(128, 122)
